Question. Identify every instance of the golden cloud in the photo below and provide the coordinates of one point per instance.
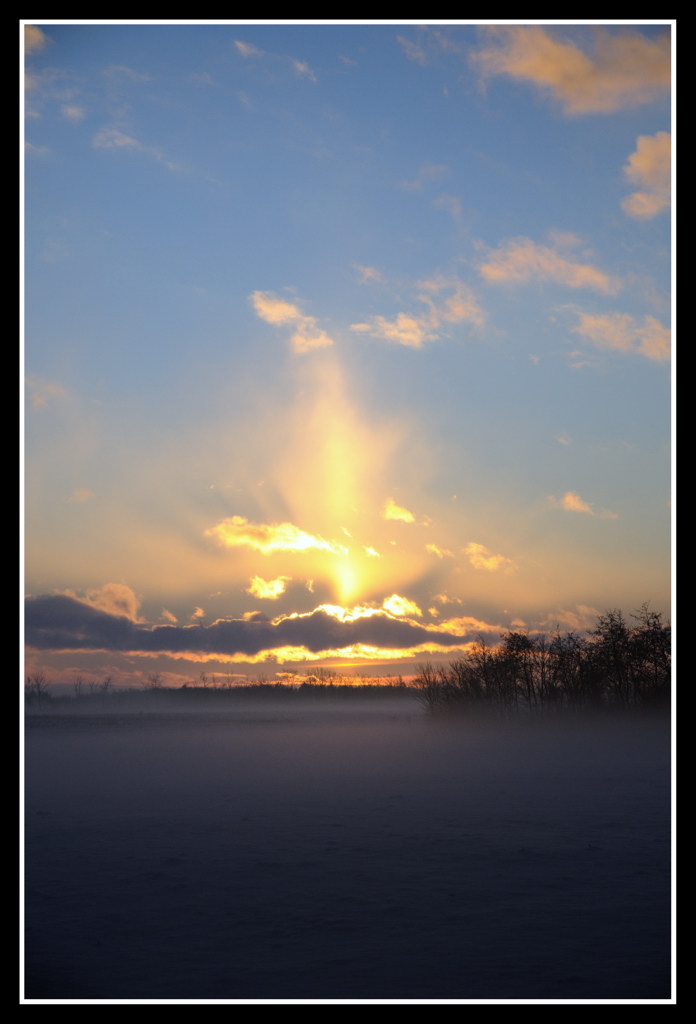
(400, 606)
(270, 590)
(268, 537)
(481, 558)
(393, 511)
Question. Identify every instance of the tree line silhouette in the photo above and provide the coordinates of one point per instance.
(614, 664)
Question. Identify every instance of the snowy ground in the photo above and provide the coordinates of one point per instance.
(363, 852)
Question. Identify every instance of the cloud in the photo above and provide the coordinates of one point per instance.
(622, 70)
(247, 49)
(522, 260)
(274, 310)
(428, 173)
(368, 274)
(451, 204)
(412, 50)
(301, 68)
(401, 606)
(582, 619)
(112, 138)
(572, 502)
(113, 598)
(650, 168)
(268, 537)
(439, 552)
(269, 590)
(64, 623)
(623, 333)
(42, 391)
(121, 71)
(80, 495)
(34, 39)
(448, 301)
(409, 331)
(481, 558)
(71, 112)
(393, 511)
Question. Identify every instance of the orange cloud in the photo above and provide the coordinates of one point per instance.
(80, 495)
(572, 502)
(624, 69)
(481, 558)
(41, 391)
(622, 333)
(649, 167)
(307, 335)
(456, 305)
(522, 260)
(34, 39)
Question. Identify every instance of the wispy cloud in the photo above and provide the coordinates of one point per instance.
(622, 69)
(73, 112)
(368, 274)
(623, 333)
(522, 260)
(80, 495)
(114, 138)
(306, 334)
(572, 502)
(449, 301)
(650, 168)
(300, 67)
(412, 50)
(42, 391)
(123, 72)
(303, 70)
(428, 174)
(582, 618)
(247, 49)
(268, 537)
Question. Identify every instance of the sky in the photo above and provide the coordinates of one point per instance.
(344, 344)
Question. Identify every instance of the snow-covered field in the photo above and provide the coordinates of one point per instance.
(346, 853)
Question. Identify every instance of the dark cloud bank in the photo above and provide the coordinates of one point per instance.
(58, 622)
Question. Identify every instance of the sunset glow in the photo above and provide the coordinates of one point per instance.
(343, 343)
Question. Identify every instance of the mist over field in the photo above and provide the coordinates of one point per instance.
(358, 850)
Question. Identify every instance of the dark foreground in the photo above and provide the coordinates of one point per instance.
(346, 853)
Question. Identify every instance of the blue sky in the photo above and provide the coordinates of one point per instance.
(344, 344)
